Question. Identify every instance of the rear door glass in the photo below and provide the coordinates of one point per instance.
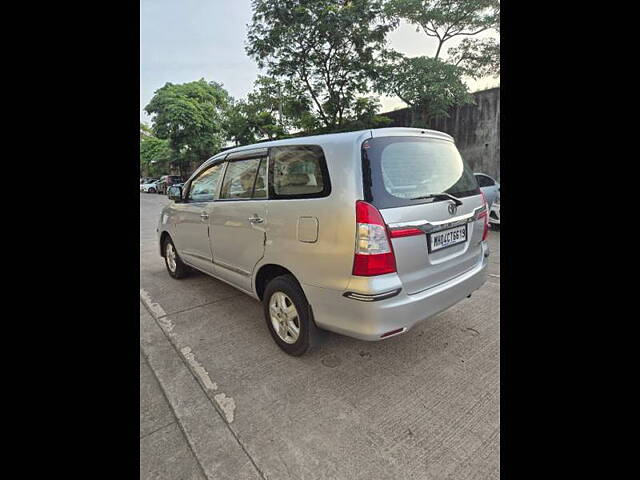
(398, 171)
(240, 177)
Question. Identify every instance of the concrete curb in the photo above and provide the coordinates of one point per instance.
(213, 444)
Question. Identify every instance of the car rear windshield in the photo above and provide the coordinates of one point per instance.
(398, 171)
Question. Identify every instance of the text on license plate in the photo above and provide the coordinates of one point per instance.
(447, 238)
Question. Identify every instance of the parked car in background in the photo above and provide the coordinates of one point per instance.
(166, 181)
(489, 187)
(149, 187)
(494, 214)
(362, 233)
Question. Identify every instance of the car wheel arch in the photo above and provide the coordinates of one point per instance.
(268, 272)
(163, 238)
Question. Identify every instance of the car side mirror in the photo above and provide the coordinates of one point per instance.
(175, 193)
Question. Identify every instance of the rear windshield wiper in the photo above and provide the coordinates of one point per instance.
(442, 195)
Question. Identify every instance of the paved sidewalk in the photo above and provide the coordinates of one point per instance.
(164, 451)
(196, 441)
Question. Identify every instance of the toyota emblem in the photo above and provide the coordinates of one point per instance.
(452, 208)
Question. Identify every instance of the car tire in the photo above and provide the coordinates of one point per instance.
(152, 190)
(285, 287)
(175, 266)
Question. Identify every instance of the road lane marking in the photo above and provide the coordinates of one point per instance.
(227, 404)
(166, 324)
(155, 308)
(199, 369)
(494, 275)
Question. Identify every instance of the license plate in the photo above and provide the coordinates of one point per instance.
(447, 238)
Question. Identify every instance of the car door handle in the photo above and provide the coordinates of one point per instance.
(256, 219)
(204, 215)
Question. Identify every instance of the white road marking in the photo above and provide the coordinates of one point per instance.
(494, 275)
(166, 324)
(199, 369)
(227, 404)
(155, 308)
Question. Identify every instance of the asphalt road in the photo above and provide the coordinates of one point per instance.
(424, 405)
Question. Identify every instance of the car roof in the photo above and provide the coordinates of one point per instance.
(342, 137)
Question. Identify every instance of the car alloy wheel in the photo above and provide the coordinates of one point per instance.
(284, 317)
(170, 255)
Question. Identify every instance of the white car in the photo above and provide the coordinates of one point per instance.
(149, 187)
(494, 213)
(488, 186)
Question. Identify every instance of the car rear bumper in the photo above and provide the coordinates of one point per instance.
(370, 319)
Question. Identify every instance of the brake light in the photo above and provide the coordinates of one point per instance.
(373, 250)
(485, 215)
(405, 232)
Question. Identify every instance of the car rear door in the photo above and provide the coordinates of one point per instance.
(240, 218)
(435, 239)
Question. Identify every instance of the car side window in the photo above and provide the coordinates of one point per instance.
(203, 188)
(299, 171)
(239, 179)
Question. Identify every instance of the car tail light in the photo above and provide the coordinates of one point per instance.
(405, 232)
(485, 216)
(373, 251)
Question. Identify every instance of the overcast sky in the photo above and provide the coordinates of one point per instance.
(185, 40)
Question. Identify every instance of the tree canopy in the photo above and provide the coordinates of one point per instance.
(424, 83)
(435, 84)
(477, 58)
(155, 153)
(191, 117)
(446, 19)
(324, 49)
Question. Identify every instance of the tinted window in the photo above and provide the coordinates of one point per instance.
(240, 178)
(203, 188)
(400, 170)
(299, 171)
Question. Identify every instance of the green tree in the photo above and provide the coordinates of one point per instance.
(446, 19)
(192, 117)
(425, 84)
(324, 50)
(365, 114)
(478, 58)
(155, 155)
(264, 108)
(432, 85)
(145, 130)
(238, 126)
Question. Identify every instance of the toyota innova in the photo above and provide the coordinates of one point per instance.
(362, 233)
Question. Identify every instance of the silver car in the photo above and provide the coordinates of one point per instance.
(363, 233)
